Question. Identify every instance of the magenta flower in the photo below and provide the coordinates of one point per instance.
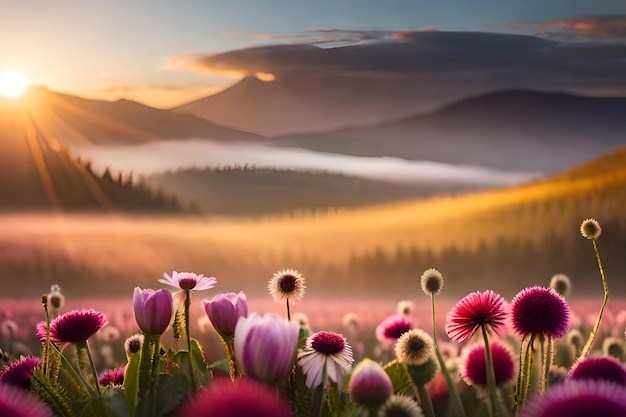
(19, 372)
(391, 328)
(265, 346)
(325, 350)
(539, 310)
(242, 397)
(474, 367)
(608, 369)
(474, 310)
(153, 310)
(113, 376)
(370, 386)
(76, 326)
(224, 310)
(14, 402)
(188, 281)
(579, 398)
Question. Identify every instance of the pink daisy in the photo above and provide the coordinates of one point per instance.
(475, 310)
(325, 350)
(76, 326)
(188, 281)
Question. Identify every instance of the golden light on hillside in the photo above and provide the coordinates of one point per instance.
(12, 84)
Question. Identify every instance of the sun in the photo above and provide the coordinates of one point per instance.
(12, 84)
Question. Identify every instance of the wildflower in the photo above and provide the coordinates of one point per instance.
(153, 310)
(265, 346)
(539, 310)
(390, 329)
(612, 346)
(14, 402)
(432, 282)
(415, 347)
(242, 397)
(224, 310)
(55, 298)
(608, 369)
(579, 398)
(188, 281)
(575, 339)
(76, 326)
(350, 320)
(561, 284)
(325, 352)
(473, 368)
(20, 372)
(473, 311)
(405, 308)
(113, 376)
(286, 284)
(370, 386)
(400, 406)
(133, 344)
(590, 228)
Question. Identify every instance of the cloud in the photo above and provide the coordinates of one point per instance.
(610, 27)
(328, 35)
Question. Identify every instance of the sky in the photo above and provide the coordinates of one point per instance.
(164, 52)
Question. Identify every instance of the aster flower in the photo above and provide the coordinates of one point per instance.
(224, 310)
(431, 282)
(325, 352)
(76, 326)
(14, 402)
(590, 228)
(20, 372)
(608, 369)
(579, 398)
(153, 310)
(400, 406)
(539, 310)
(243, 397)
(370, 386)
(188, 281)
(415, 347)
(113, 376)
(477, 309)
(391, 328)
(473, 365)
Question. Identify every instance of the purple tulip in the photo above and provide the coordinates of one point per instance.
(153, 310)
(265, 346)
(224, 310)
(370, 385)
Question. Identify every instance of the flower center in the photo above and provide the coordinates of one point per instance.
(287, 283)
(328, 342)
(187, 283)
(416, 344)
(432, 284)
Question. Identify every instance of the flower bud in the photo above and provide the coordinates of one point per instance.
(153, 310)
(370, 386)
(224, 310)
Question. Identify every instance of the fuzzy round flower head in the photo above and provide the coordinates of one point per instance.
(400, 406)
(391, 328)
(405, 308)
(474, 310)
(474, 366)
(561, 284)
(14, 402)
(265, 346)
(243, 397)
(286, 284)
(370, 386)
(55, 298)
(76, 326)
(20, 372)
(614, 347)
(188, 281)
(133, 344)
(415, 347)
(113, 376)
(329, 350)
(590, 228)
(579, 398)
(153, 310)
(224, 310)
(608, 369)
(575, 339)
(432, 282)
(539, 310)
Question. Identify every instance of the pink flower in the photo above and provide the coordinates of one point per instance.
(224, 310)
(19, 372)
(539, 310)
(325, 350)
(609, 369)
(475, 310)
(391, 328)
(113, 376)
(370, 385)
(14, 402)
(474, 366)
(153, 310)
(188, 281)
(76, 326)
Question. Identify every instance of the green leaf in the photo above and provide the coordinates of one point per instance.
(115, 401)
(399, 378)
(199, 365)
(171, 391)
(131, 382)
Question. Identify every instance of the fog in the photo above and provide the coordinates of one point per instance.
(156, 157)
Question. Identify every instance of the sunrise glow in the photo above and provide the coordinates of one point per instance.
(12, 84)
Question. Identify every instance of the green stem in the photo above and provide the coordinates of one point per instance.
(77, 375)
(149, 351)
(323, 390)
(288, 311)
(229, 347)
(188, 336)
(425, 401)
(92, 366)
(47, 355)
(594, 331)
(491, 376)
(547, 352)
(526, 375)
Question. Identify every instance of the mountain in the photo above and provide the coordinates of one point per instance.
(516, 130)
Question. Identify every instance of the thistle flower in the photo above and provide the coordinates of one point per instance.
(224, 310)
(477, 309)
(539, 310)
(579, 398)
(188, 281)
(76, 326)
(153, 310)
(325, 352)
(113, 376)
(415, 347)
(400, 406)
(243, 397)
(287, 284)
(391, 328)
(608, 369)
(14, 402)
(473, 365)
(590, 228)
(265, 346)
(20, 372)
(370, 386)
(432, 282)
(561, 284)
